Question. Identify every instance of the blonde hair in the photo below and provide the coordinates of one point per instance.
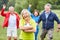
(25, 10)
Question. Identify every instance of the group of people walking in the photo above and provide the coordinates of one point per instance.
(28, 23)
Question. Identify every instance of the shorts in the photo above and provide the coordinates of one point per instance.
(12, 32)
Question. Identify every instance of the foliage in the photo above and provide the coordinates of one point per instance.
(36, 4)
(3, 2)
(20, 4)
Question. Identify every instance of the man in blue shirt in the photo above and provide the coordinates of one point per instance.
(47, 18)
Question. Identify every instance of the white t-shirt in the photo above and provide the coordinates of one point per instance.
(12, 21)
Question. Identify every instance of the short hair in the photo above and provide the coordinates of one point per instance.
(11, 7)
(37, 11)
(48, 4)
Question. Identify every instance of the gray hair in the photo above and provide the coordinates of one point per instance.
(11, 7)
(48, 4)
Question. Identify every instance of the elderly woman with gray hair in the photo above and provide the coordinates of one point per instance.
(27, 26)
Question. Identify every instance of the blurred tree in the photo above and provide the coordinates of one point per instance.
(58, 2)
(3, 2)
(20, 4)
(11, 3)
(36, 4)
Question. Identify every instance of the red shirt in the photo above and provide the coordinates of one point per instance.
(7, 15)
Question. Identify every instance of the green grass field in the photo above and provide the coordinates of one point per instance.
(56, 36)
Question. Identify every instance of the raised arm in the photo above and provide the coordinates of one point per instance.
(2, 11)
(29, 9)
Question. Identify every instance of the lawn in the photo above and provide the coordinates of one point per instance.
(56, 36)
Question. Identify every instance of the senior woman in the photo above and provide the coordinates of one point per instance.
(27, 26)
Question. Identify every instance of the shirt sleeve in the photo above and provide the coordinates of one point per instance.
(29, 9)
(56, 19)
(40, 18)
(3, 13)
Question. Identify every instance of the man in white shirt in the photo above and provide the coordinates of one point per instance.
(11, 22)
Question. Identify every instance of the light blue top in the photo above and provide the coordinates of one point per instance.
(33, 16)
(47, 14)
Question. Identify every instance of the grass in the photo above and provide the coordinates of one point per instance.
(56, 35)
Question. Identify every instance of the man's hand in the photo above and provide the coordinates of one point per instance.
(4, 6)
(58, 28)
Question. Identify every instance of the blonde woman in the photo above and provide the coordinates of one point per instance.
(27, 26)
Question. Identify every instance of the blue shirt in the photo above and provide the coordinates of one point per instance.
(36, 18)
(47, 14)
(29, 9)
(33, 16)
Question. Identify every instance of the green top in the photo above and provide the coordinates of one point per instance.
(26, 35)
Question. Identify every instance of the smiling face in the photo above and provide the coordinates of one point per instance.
(11, 10)
(36, 13)
(26, 16)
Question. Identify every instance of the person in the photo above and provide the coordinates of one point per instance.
(11, 21)
(47, 17)
(35, 16)
(27, 26)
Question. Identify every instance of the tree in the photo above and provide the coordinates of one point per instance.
(11, 3)
(36, 4)
(1, 4)
(20, 4)
(5, 2)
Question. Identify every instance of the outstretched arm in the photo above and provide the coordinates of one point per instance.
(29, 8)
(58, 21)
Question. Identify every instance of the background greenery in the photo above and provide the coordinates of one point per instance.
(36, 4)
(56, 35)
